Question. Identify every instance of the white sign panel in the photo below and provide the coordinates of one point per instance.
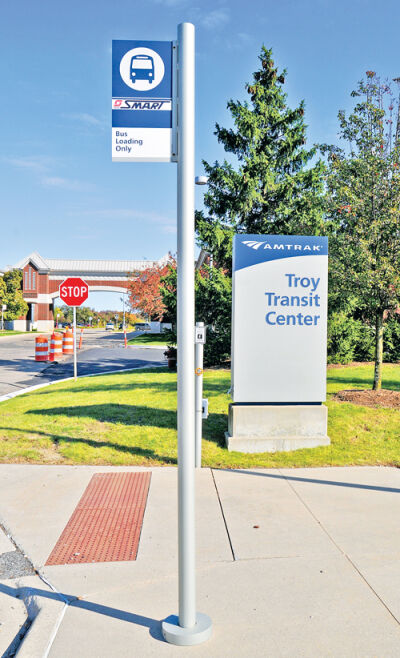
(200, 335)
(142, 101)
(280, 286)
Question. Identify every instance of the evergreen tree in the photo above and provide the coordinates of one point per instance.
(275, 188)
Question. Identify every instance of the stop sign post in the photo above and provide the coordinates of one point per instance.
(73, 292)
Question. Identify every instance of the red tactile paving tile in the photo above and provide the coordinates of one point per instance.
(106, 524)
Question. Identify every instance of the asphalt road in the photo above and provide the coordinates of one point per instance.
(101, 351)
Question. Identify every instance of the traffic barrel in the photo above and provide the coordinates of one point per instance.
(55, 346)
(41, 348)
(125, 340)
(58, 344)
(80, 339)
(68, 342)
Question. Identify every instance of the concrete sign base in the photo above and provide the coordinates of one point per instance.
(276, 428)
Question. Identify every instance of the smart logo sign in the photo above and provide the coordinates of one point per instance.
(142, 101)
(279, 318)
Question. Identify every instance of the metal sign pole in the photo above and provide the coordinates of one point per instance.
(75, 366)
(192, 628)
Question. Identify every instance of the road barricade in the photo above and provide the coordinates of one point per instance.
(68, 342)
(56, 342)
(41, 348)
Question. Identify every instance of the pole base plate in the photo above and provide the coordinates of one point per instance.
(187, 637)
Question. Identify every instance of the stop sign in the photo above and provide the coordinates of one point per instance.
(74, 291)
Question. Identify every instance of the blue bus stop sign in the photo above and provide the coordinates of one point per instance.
(142, 101)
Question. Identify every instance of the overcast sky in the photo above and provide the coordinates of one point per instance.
(60, 193)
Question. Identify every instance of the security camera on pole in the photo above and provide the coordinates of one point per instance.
(153, 121)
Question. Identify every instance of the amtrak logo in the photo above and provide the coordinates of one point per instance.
(253, 244)
(264, 244)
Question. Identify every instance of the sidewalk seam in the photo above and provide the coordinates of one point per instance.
(223, 516)
(348, 558)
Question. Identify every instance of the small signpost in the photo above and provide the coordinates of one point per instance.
(199, 340)
(73, 292)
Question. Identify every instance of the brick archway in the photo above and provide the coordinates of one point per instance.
(42, 278)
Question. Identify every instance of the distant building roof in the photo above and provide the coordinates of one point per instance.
(68, 266)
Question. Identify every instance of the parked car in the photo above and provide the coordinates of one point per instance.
(142, 326)
(110, 326)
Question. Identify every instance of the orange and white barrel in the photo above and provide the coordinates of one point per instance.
(41, 348)
(55, 346)
(68, 342)
(58, 344)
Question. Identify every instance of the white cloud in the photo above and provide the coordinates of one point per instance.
(215, 18)
(65, 183)
(42, 167)
(37, 164)
(87, 120)
(167, 224)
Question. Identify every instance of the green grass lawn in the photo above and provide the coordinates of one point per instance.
(7, 332)
(148, 339)
(130, 418)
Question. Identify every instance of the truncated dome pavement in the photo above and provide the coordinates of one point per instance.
(106, 524)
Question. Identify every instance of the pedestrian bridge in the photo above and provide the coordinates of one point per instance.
(42, 278)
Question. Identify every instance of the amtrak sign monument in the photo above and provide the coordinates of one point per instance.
(279, 343)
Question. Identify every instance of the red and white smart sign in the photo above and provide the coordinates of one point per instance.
(74, 291)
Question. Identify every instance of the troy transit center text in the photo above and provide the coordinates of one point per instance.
(298, 284)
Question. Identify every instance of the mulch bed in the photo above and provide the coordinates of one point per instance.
(352, 364)
(368, 398)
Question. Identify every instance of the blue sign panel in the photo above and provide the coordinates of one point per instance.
(252, 249)
(142, 95)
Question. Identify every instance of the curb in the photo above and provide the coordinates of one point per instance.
(29, 389)
(45, 615)
(149, 347)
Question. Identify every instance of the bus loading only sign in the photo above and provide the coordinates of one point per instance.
(280, 286)
(142, 101)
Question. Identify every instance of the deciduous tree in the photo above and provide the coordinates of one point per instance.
(363, 207)
(144, 291)
(12, 295)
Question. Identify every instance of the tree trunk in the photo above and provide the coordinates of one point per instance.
(378, 351)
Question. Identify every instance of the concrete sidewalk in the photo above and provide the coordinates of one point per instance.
(299, 562)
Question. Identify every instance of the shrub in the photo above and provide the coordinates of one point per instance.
(391, 340)
(349, 339)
